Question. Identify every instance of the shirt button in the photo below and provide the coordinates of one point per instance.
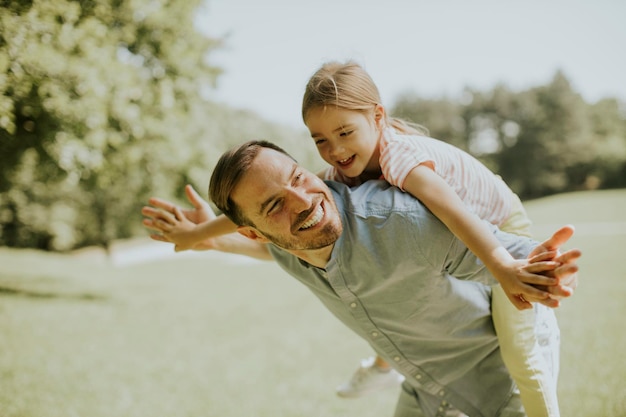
(396, 358)
(418, 376)
(374, 334)
(444, 403)
(353, 305)
(441, 393)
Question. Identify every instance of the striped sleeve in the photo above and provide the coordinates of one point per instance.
(481, 190)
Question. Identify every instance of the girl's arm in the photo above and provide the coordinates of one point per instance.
(163, 217)
(426, 185)
(185, 234)
(241, 245)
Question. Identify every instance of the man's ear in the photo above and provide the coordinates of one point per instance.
(252, 233)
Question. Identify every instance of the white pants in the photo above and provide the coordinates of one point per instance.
(524, 337)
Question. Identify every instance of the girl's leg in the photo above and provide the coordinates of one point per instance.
(524, 353)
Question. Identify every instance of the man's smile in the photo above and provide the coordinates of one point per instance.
(317, 217)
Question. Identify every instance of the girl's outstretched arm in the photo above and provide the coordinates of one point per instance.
(185, 234)
(163, 217)
(518, 284)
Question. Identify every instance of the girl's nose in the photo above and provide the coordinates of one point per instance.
(336, 150)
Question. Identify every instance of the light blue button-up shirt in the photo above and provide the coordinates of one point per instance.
(390, 279)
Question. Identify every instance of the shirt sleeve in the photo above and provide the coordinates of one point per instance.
(401, 154)
(439, 247)
(463, 264)
(448, 254)
(330, 174)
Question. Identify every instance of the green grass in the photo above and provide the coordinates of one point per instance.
(210, 335)
(593, 334)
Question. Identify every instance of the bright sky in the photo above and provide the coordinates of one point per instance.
(429, 47)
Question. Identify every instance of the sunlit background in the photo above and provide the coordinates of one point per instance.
(107, 103)
(430, 48)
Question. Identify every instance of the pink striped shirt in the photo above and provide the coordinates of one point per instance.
(484, 193)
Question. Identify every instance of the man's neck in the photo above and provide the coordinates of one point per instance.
(316, 257)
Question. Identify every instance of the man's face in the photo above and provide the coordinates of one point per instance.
(288, 205)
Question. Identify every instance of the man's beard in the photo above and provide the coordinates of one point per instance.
(325, 237)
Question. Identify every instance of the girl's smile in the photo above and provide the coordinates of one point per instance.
(345, 163)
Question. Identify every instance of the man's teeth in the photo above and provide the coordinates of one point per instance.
(319, 213)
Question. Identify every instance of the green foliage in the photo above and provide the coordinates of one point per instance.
(542, 141)
(95, 95)
(443, 118)
(104, 104)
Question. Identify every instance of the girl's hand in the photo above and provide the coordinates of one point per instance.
(548, 275)
(566, 273)
(546, 255)
(524, 284)
(175, 225)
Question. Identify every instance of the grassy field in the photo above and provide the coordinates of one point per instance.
(211, 335)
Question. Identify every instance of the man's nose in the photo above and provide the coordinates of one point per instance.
(300, 199)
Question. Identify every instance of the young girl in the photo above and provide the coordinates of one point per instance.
(342, 110)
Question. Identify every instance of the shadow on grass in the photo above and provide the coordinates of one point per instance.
(21, 292)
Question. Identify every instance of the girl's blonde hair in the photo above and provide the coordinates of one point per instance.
(348, 86)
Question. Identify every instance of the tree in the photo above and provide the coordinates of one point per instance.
(94, 113)
(442, 117)
(541, 141)
(608, 146)
(554, 130)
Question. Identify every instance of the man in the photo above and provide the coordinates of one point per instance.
(384, 265)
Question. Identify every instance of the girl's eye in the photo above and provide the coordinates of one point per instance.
(345, 133)
(319, 141)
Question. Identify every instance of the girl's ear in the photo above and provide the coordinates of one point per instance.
(379, 116)
(252, 233)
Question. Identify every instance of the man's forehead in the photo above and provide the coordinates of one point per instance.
(269, 160)
(269, 171)
(273, 153)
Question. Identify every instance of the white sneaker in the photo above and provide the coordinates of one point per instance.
(369, 378)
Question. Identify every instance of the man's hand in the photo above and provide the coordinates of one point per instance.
(546, 259)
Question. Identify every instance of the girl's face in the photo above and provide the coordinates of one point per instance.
(348, 139)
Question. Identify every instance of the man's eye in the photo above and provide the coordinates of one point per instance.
(319, 141)
(345, 133)
(273, 208)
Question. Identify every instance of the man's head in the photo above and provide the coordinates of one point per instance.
(264, 191)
